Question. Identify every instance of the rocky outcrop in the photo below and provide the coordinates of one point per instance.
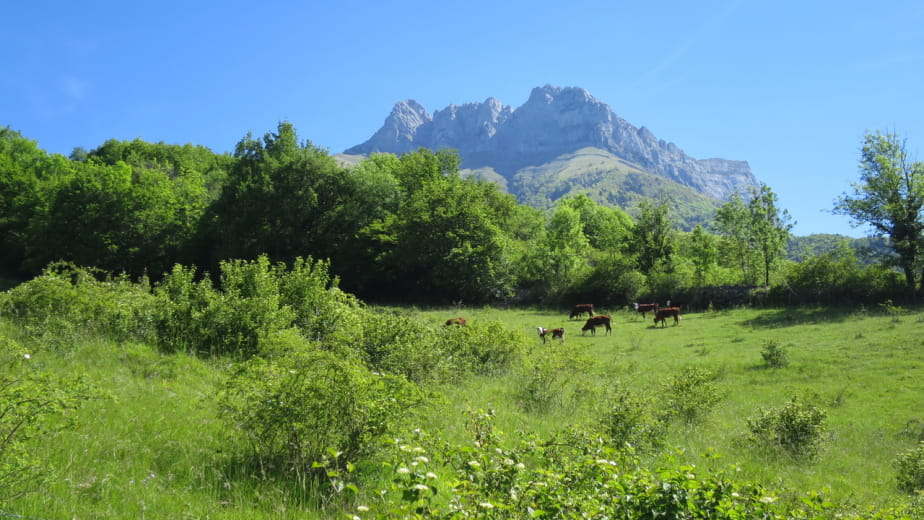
(399, 133)
(552, 122)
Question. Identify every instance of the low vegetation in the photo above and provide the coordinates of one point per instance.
(323, 405)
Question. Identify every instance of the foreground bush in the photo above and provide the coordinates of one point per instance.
(70, 298)
(798, 428)
(910, 465)
(632, 421)
(689, 395)
(28, 399)
(547, 381)
(574, 476)
(774, 354)
(295, 408)
(481, 348)
(198, 318)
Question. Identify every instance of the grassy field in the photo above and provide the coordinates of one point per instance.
(151, 444)
(865, 368)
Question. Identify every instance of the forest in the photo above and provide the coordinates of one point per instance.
(406, 228)
(264, 334)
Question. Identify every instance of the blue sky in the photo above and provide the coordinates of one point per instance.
(789, 86)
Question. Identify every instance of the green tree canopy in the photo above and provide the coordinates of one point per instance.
(889, 197)
(279, 200)
(769, 228)
(653, 236)
(447, 242)
(754, 232)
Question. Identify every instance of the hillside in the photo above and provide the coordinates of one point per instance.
(610, 181)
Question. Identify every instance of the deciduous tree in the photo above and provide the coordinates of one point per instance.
(653, 236)
(278, 200)
(889, 197)
(769, 228)
(755, 231)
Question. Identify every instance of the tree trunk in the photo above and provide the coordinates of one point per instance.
(909, 279)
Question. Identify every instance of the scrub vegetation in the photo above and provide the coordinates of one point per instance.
(335, 408)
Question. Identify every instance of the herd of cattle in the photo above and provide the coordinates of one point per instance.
(661, 315)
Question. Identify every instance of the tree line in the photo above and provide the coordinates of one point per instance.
(411, 228)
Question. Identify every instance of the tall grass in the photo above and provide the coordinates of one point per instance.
(864, 368)
(150, 444)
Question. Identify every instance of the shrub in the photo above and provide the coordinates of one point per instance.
(798, 428)
(547, 382)
(397, 343)
(573, 475)
(27, 398)
(321, 310)
(184, 302)
(70, 299)
(295, 408)
(256, 299)
(689, 395)
(481, 348)
(631, 420)
(894, 311)
(774, 354)
(910, 468)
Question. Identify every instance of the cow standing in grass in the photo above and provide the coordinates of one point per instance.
(556, 333)
(580, 309)
(663, 314)
(642, 308)
(595, 322)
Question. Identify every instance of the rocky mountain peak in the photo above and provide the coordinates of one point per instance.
(553, 121)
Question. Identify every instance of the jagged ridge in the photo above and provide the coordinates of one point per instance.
(553, 121)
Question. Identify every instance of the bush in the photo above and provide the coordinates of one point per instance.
(27, 399)
(321, 309)
(256, 299)
(481, 348)
(70, 299)
(630, 420)
(910, 466)
(547, 382)
(397, 343)
(774, 355)
(895, 311)
(689, 395)
(572, 475)
(798, 428)
(297, 407)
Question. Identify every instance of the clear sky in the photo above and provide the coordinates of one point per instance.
(789, 86)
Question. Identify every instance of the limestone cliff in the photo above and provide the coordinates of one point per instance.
(553, 121)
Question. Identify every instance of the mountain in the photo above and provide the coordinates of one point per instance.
(529, 150)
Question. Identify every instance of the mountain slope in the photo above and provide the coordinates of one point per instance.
(610, 181)
(525, 151)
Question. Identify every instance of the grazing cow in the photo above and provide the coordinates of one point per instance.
(556, 333)
(455, 321)
(665, 313)
(596, 321)
(580, 309)
(646, 307)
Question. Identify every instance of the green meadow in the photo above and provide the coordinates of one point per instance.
(865, 367)
(149, 444)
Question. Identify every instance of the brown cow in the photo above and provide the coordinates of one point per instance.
(596, 321)
(455, 321)
(556, 333)
(665, 313)
(580, 309)
(646, 307)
